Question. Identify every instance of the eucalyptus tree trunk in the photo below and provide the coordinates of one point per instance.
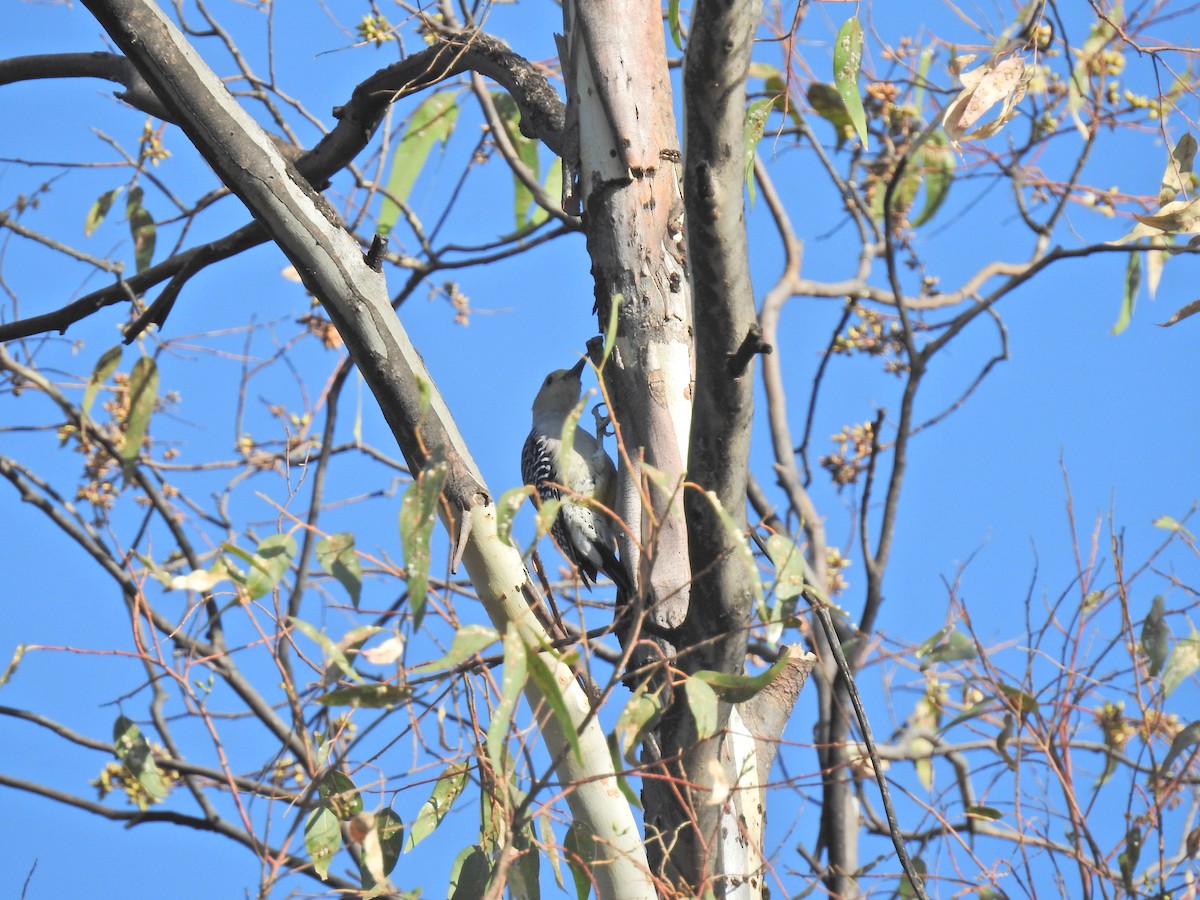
(667, 237)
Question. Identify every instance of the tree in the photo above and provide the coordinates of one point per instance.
(717, 647)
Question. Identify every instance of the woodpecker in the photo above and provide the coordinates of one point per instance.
(584, 533)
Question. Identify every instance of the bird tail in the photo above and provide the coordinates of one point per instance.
(617, 572)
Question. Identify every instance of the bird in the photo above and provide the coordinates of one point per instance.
(583, 532)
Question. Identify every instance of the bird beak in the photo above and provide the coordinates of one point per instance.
(577, 369)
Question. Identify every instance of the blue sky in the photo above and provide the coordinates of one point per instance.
(1117, 412)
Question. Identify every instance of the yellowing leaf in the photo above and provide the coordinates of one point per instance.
(98, 211)
(983, 88)
(1179, 168)
(387, 652)
(105, 366)
(198, 580)
(1189, 310)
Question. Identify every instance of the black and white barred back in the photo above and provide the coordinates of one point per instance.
(577, 529)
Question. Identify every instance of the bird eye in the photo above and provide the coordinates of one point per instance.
(549, 378)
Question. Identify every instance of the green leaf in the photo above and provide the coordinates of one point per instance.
(526, 874)
(1170, 524)
(986, 705)
(98, 211)
(921, 750)
(141, 227)
(741, 545)
(11, 668)
(340, 794)
(1188, 736)
(1133, 280)
(468, 640)
(379, 856)
(637, 719)
(986, 813)
(1154, 636)
(829, 105)
(580, 846)
(847, 61)
(553, 188)
(506, 508)
(907, 891)
(527, 152)
(367, 696)
(105, 366)
(946, 645)
(567, 438)
(547, 513)
(752, 132)
(673, 22)
(1023, 702)
(1182, 663)
(322, 839)
(425, 392)
(269, 563)
(923, 63)
(516, 671)
(550, 690)
(610, 333)
(331, 651)
(143, 395)
(1128, 858)
(431, 122)
(133, 750)
(418, 512)
(937, 162)
(446, 790)
(789, 566)
(470, 874)
(336, 556)
(740, 688)
(702, 701)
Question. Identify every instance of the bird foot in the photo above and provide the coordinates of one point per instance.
(603, 422)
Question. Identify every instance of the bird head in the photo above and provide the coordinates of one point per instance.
(559, 392)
